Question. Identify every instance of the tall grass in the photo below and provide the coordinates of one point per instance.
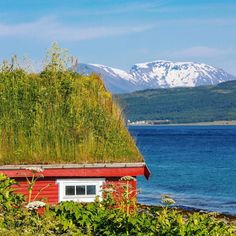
(59, 116)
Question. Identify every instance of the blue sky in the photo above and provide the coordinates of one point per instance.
(120, 33)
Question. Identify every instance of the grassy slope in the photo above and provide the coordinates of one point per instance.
(60, 117)
(182, 105)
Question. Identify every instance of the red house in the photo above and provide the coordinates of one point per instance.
(61, 135)
(77, 182)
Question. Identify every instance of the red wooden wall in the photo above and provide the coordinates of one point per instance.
(47, 190)
(44, 189)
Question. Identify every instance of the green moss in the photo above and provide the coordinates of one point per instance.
(59, 116)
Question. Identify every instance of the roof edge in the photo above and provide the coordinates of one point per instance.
(68, 166)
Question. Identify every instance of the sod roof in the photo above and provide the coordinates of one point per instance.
(59, 116)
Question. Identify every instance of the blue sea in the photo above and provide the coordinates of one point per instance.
(195, 165)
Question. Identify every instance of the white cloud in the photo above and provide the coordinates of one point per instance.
(200, 51)
(117, 9)
(227, 21)
(48, 28)
(206, 7)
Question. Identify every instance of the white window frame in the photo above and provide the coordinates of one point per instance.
(62, 183)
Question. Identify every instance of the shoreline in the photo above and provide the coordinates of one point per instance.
(189, 210)
(212, 123)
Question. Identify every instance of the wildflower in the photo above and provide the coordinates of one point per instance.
(108, 190)
(35, 169)
(35, 205)
(167, 200)
(128, 178)
(139, 190)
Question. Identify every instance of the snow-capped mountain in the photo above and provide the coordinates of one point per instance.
(116, 80)
(157, 74)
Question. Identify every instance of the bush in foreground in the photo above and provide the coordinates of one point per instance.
(70, 218)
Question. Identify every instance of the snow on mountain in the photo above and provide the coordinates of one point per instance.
(116, 80)
(166, 74)
(157, 74)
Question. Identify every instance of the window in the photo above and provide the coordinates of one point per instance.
(70, 190)
(80, 190)
(91, 189)
(84, 190)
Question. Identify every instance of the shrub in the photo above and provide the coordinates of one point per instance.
(72, 218)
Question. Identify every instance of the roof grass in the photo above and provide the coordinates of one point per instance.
(59, 116)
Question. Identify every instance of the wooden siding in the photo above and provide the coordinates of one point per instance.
(46, 189)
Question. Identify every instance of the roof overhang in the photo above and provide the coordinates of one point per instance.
(79, 170)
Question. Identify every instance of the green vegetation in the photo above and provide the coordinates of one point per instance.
(100, 218)
(182, 105)
(59, 116)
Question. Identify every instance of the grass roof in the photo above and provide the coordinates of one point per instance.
(60, 116)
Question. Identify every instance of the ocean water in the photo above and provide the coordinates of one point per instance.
(195, 165)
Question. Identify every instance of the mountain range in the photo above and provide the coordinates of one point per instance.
(157, 74)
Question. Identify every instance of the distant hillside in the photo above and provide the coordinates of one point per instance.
(157, 74)
(182, 105)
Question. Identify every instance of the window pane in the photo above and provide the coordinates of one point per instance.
(91, 189)
(70, 190)
(80, 190)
